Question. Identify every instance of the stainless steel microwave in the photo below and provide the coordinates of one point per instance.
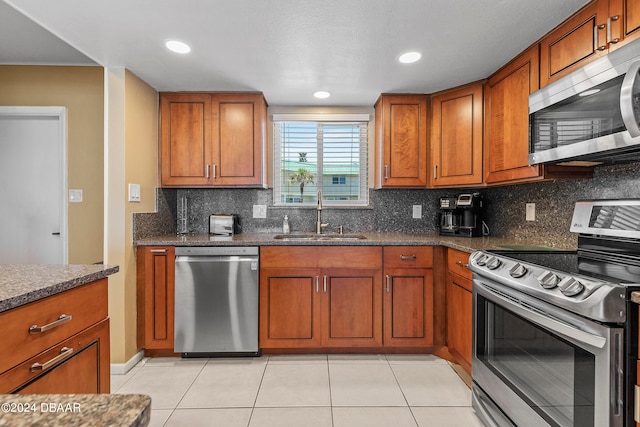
(591, 116)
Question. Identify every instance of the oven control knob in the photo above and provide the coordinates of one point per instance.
(548, 280)
(518, 270)
(493, 263)
(481, 259)
(570, 286)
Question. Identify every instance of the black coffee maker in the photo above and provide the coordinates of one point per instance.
(461, 215)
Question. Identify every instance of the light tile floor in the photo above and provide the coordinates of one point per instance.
(310, 391)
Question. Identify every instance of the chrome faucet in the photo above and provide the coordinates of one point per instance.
(319, 224)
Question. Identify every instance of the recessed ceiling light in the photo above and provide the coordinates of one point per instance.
(177, 47)
(410, 57)
(321, 94)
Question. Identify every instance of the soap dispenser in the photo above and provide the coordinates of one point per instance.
(285, 225)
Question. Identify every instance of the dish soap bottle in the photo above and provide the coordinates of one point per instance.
(285, 225)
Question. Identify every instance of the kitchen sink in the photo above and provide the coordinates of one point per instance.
(329, 237)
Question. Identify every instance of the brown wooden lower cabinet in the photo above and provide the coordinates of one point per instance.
(85, 371)
(460, 319)
(321, 298)
(155, 266)
(70, 355)
(408, 307)
(290, 308)
(312, 297)
(459, 308)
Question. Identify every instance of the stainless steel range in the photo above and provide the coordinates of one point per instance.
(556, 333)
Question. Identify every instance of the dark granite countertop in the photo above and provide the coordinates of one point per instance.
(24, 283)
(466, 244)
(75, 410)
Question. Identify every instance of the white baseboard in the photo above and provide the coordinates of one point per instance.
(123, 368)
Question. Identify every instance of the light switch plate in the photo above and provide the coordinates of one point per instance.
(134, 192)
(417, 211)
(259, 211)
(75, 196)
(530, 212)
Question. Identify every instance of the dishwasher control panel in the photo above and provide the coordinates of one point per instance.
(216, 250)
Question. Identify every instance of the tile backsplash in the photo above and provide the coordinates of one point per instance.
(391, 210)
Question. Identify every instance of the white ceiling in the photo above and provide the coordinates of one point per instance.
(285, 48)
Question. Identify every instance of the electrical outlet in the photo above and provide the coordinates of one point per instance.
(417, 211)
(259, 211)
(530, 212)
(75, 196)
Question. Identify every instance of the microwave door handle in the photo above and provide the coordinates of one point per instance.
(626, 100)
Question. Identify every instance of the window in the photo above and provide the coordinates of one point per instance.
(325, 153)
(339, 180)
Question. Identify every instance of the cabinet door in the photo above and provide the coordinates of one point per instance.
(578, 41)
(408, 307)
(460, 319)
(507, 120)
(623, 22)
(352, 307)
(156, 297)
(290, 301)
(401, 141)
(185, 140)
(456, 142)
(239, 135)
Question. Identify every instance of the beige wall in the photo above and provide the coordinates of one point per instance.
(131, 156)
(141, 167)
(81, 91)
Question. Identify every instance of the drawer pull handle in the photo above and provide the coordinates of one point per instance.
(158, 251)
(65, 352)
(407, 257)
(462, 264)
(62, 319)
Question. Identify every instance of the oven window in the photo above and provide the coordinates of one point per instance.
(554, 377)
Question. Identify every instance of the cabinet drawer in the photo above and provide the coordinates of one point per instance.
(85, 305)
(408, 256)
(77, 365)
(457, 262)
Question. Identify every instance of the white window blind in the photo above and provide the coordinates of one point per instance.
(321, 152)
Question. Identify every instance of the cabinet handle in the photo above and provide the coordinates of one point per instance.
(407, 257)
(388, 282)
(317, 284)
(324, 286)
(65, 352)
(215, 171)
(462, 264)
(609, 21)
(62, 319)
(435, 171)
(206, 171)
(595, 37)
(158, 251)
(386, 172)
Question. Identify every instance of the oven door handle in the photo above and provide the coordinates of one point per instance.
(556, 326)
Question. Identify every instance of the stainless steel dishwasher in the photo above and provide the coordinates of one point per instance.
(216, 301)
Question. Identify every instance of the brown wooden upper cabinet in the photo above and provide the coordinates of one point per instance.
(456, 136)
(599, 27)
(213, 139)
(401, 140)
(506, 126)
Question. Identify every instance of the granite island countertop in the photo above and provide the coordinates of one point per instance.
(75, 410)
(21, 284)
(466, 244)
